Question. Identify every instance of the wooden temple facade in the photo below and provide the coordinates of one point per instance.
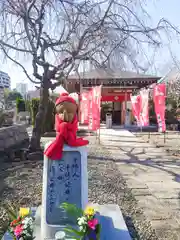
(117, 86)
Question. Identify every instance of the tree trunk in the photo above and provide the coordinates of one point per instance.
(40, 118)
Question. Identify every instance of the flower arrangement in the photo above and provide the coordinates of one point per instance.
(88, 226)
(21, 224)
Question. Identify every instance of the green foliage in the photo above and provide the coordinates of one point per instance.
(34, 109)
(13, 95)
(28, 106)
(50, 114)
(77, 235)
(20, 105)
(76, 213)
(50, 117)
(2, 117)
(11, 210)
(172, 106)
(72, 210)
(170, 114)
(12, 213)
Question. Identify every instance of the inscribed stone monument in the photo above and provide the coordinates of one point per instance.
(64, 180)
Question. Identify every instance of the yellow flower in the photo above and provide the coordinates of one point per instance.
(89, 211)
(24, 212)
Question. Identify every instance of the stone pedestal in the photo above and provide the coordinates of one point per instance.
(111, 219)
(64, 180)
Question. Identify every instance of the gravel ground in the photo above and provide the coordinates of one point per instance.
(21, 183)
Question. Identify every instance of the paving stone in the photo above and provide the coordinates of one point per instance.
(166, 229)
(163, 184)
(152, 209)
(173, 203)
(166, 195)
(141, 192)
(154, 177)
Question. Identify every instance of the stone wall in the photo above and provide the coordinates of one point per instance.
(12, 137)
(6, 118)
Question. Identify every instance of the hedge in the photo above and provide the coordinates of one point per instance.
(34, 109)
(50, 114)
(20, 105)
(50, 117)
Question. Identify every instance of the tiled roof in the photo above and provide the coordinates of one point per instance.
(110, 74)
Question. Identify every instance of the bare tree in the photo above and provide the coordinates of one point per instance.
(172, 80)
(56, 35)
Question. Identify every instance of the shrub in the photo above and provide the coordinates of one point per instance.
(2, 118)
(28, 106)
(34, 109)
(50, 114)
(20, 105)
(50, 117)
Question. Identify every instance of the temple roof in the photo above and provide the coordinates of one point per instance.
(105, 74)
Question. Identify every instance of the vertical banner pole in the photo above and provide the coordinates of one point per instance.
(100, 119)
(125, 106)
(99, 134)
(164, 137)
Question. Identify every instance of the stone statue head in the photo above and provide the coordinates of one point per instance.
(66, 107)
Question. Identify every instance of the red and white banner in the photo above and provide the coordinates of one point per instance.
(144, 95)
(159, 97)
(84, 107)
(94, 108)
(136, 108)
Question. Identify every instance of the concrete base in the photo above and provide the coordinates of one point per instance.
(111, 219)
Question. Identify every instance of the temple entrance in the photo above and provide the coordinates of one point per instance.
(113, 108)
(116, 113)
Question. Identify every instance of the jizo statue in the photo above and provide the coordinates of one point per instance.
(66, 125)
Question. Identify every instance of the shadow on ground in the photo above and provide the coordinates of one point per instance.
(106, 185)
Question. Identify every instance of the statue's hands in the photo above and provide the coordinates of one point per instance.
(64, 116)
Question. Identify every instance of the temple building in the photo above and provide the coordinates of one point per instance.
(117, 86)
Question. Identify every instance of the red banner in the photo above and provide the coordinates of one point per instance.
(136, 108)
(159, 97)
(144, 95)
(84, 107)
(94, 108)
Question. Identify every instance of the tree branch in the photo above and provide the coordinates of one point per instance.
(19, 64)
(14, 48)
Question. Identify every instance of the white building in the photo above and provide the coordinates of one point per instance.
(33, 94)
(22, 88)
(5, 81)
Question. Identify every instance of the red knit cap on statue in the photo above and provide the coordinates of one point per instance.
(64, 97)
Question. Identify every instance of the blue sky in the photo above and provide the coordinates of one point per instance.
(168, 9)
(157, 9)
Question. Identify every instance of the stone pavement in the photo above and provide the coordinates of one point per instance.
(153, 176)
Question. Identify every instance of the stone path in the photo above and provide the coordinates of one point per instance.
(153, 176)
